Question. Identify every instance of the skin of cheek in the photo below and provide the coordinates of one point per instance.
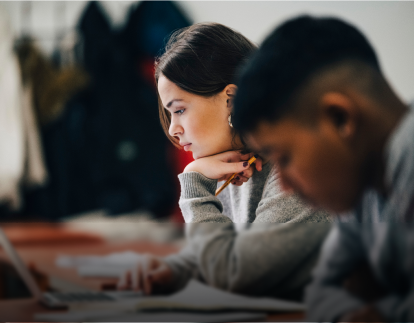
(323, 175)
(321, 168)
(337, 170)
(207, 130)
(204, 122)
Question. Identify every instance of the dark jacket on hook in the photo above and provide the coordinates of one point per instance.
(108, 150)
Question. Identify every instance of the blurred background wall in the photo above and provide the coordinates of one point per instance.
(388, 24)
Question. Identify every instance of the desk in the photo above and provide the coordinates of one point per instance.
(43, 258)
(20, 310)
(66, 279)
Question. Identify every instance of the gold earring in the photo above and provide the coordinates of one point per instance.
(229, 119)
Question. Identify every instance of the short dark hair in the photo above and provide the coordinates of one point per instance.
(290, 56)
(202, 59)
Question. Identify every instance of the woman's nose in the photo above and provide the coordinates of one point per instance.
(175, 129)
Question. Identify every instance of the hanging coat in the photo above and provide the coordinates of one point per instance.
(108, 150)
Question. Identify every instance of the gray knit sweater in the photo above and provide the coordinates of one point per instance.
(252, 239)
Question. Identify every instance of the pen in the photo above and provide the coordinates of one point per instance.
(222, 187)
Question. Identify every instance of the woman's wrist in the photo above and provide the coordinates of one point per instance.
(192, 167)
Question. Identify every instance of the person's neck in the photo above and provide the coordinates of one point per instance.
(388, 120)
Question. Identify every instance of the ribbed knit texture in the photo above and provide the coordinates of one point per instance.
(252, 239)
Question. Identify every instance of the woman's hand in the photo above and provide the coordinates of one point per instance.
(222, 166)
(149, 274)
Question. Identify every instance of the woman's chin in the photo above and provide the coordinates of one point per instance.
(197, 155)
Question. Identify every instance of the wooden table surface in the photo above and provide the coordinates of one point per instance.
(43, 256)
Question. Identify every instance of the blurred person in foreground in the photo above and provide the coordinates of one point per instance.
(314, 99)
(252, 238)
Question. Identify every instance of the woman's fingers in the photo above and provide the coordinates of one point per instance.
(146, 275)
(237, 183)
(123, 281)
(243, 178)
(259, 163)
(128, 280)
(248, 172)
(136, 278)
(148, 271)
(224, 165)
(239, 180)
(232, 156)
(161, 275)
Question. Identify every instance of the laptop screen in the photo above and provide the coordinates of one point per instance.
(19, 265)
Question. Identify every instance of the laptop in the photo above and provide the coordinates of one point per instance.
(61, 299)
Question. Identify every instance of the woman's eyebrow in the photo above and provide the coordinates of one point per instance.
(172, 101)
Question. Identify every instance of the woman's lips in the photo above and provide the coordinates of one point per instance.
(187, 147)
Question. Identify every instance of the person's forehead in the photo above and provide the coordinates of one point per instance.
(169, 92)
(166, 87)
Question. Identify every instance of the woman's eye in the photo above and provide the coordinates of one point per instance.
(179, 111)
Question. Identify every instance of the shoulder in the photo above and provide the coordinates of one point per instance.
(272, 184)
(399, 176)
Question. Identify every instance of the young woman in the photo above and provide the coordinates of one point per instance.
(252, 238)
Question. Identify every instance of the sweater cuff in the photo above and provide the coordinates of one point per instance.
(194, 184)
(181, 274)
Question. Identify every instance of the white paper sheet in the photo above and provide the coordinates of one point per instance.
(196, 297)
(112, 265)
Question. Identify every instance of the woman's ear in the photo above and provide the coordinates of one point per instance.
(230, 92)
(341, 112)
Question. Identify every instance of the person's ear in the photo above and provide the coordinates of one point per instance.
(341, 111)
(230, 92)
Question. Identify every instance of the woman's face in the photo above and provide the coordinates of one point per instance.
(200, 123)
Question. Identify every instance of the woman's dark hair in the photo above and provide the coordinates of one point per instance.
(201, 59)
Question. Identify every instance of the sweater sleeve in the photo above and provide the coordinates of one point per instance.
(257, 260)
(183, 266)
(342, 251)
(198, 202)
